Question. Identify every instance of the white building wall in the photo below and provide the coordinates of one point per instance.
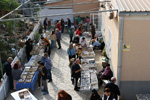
(45, 12)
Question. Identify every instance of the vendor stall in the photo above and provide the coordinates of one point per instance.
(30, 74)
(89, 79)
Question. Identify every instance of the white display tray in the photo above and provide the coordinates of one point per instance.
(87, 61)
(15, 95)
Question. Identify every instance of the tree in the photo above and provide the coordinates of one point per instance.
(7, 6)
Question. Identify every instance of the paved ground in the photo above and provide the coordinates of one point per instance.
(61, 75)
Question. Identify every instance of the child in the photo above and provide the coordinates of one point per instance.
(79, 53)
(44, 77)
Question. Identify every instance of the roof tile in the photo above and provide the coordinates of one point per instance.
(133, 5)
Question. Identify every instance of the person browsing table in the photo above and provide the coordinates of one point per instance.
(48, 65)
(44, 78)
(76, 73)
(71, 51)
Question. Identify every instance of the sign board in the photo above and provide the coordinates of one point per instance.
(126, 47)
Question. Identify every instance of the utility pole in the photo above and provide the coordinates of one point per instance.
(15, 36)
(24, 19)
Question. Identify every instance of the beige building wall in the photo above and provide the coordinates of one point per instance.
(85, 7)
(136, 62)
(114, 28)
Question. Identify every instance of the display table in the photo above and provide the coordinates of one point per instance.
(89, 79)
(24, 84)
(15, 95)
(28, 85)
(88, 61)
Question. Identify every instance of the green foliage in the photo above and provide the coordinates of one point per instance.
(104, 52)
(11, 40)
(8, 5)
(4, 47)
(9, 26)
(36, 37)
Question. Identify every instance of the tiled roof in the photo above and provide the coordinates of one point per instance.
(133, 5)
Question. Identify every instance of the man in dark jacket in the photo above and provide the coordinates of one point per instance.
(45, 24)
(76, 73)
(62, 25)
(92, 30)
(8, 70)
(29, 47)
(47, 48)
(113, 87)
(69, 23)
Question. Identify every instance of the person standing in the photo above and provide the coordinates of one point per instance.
(18, 62)
(53, 39)
(78, 32)
(78, 20)
(81, 28)
(45, 24)
(58, 36)
(71, 51)
(63, 95)
(49, 24)
(69, 23)
(47, 48)
(62, 25)
(39, 74)
(44, 77)
(45, 39)
(71, 33)
(58, 26)
(114, 88)
(88, 23)
(92, 30)
(48, 65)
(76, 73)
(29, 47)
(8, 70)
(16, 73)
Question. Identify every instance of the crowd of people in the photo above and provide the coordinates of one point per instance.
(111, 90)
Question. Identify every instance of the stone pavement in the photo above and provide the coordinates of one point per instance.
(61, 75)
